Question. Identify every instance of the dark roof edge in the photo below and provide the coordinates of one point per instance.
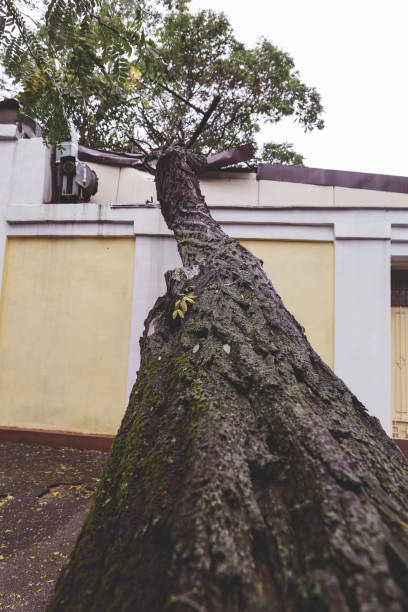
(332, 178)
(9, 113)
(110, 158)
(215, 162)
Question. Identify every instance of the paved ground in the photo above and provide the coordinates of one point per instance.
(45, 494)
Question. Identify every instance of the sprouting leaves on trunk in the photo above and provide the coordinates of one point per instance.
(181, 304)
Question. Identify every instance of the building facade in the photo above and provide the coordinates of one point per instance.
(79, 279)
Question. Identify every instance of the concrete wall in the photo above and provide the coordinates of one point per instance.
(127, 185)
(362, 322)
(328, 250)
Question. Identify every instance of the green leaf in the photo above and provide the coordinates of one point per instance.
(196, 348)
(196, 55)
(227, 348)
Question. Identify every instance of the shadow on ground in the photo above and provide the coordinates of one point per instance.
(45, 494)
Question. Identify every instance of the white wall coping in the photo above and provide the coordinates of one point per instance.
(9, 131)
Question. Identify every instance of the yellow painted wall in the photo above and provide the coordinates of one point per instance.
(303, 275)
(64, 332)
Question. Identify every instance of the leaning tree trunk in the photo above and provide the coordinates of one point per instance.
(245, 476)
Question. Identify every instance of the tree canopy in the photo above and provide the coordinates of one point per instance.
(143, 74)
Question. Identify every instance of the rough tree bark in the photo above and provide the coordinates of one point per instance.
(245, 476)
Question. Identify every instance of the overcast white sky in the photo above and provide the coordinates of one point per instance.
(355, 52)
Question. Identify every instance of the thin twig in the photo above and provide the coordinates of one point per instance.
(36, 23)
(136, 142)
(176, 95)
(108, 27)
(144, 162)
(23, 31)
(156, 134)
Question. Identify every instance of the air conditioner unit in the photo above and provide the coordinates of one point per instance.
(76, 182)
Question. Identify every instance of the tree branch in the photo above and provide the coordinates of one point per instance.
(168, 89)
(109, 27)
(156, 135)
(136, 142)
(176, 95)
(144, 162)
(204, 121)
(23, 31)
